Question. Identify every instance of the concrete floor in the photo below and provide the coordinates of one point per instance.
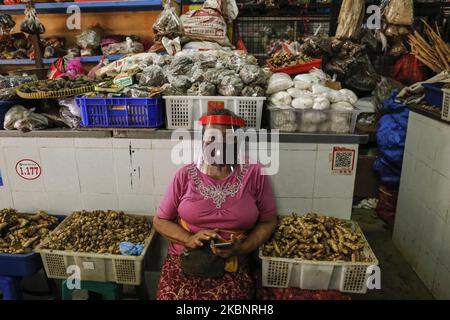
(398, 279)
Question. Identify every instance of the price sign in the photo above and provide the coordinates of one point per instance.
(216, 105)
(28, 169)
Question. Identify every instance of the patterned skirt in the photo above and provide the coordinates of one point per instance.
(175, 285)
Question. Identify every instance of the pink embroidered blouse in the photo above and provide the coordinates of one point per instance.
(236, 202)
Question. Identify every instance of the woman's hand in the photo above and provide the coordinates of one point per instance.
(236, 249)
(196, 240)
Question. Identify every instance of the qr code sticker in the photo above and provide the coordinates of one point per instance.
(343, 160)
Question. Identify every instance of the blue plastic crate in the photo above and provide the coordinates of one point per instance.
(21, 265)
(121, 112)
(433, 93)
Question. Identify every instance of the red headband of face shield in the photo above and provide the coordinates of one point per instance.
(222, 119)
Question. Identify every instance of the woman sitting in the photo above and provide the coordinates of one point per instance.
(215, 214)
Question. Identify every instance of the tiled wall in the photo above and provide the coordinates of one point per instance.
(422, 226)
(133, 175)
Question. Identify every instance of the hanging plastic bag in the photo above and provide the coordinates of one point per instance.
(31, 24)
(6, 23)
(407, 70)
(168, 23)
(74, 68)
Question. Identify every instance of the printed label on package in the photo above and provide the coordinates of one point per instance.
(343, 160)
(28, 169)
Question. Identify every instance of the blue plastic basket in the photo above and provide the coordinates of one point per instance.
(21, 265)
(121, 112)
(433, 93)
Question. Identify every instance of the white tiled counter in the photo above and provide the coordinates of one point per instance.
(422, 225)
(92, 170)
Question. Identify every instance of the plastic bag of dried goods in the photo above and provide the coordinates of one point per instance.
(304, 81)
(168, 24)
(321, 103)
(281, 98)
(279, 82)
(14, 81)
(349, 95)
(152, 76)
(206, 24)
(350, 19)
(181, 83)
(342, 106)
(134, 62)
(23, 119)
(297, 93)
(125, 47)
(130, 249)
(204, 60)
(340, 123)
(31, 24)
(314, 117)
(304, 102)
(180, 65)
(253, 91)
(400, 12)
(230, 86)
(319, 89)
(71, 120)
(90, 39)
(252, 74)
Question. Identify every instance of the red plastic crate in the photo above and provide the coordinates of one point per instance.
(301, 68)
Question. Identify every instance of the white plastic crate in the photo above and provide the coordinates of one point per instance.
(317, 121)
(318, 275)
(183, 111)
(445, 111)
(93, 266)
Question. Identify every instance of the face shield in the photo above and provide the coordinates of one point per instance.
(220, 146)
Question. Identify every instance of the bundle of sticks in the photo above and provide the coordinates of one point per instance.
(434, 53)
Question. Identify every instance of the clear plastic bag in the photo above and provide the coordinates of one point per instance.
(400, 12)
(71, 104)
(31, 24)
(252, 74)
(281, 98)
(350, 19)
(152, 76)
(253, 91)
(90, 39)
(230, 86)
(71, 120)
(128, 46)
(168, 24)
